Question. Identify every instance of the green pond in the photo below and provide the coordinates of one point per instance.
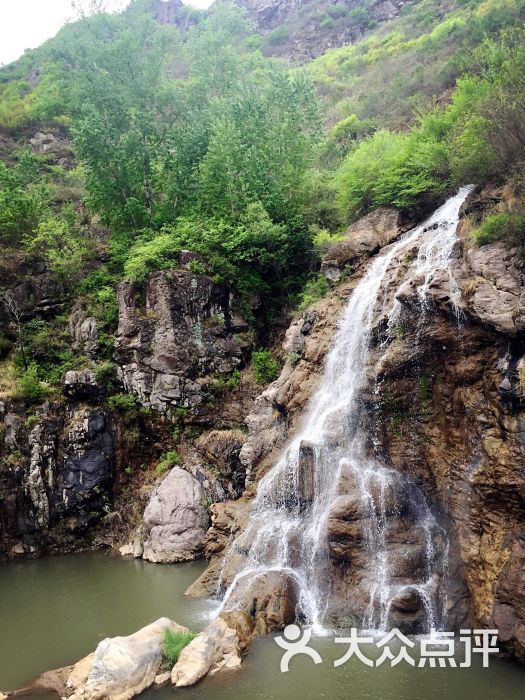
(55, 610)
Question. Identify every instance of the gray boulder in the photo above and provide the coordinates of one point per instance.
(175, 519)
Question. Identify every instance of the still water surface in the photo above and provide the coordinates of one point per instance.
(53, 611)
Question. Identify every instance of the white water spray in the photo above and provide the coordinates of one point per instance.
(287, 528)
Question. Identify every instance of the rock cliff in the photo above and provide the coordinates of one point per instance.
(303, 29)
(444, 405)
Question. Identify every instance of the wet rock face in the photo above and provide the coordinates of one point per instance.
(269, 597)
(228, 519)
(445, 408)
(509, 600)
(171, 345)
(88, 461)
(62, 470)
(175, 519)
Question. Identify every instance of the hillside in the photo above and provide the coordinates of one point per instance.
(196, 207)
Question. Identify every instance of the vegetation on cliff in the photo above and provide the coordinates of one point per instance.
(186, 137)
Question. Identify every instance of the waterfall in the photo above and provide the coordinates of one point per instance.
(287, 530)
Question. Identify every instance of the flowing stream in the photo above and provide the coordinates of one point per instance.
(287, 529)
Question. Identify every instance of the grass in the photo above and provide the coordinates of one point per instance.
(172, 645)
(8, 378)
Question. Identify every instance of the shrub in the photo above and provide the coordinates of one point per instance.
(123, 403)
(158, 253)
(314, 289)
(23, 197)
(31, 388)
(6, 346)
(265, 367)
(167, 461)
(326, 22)
(501, 227)
(338, 10)
(172, 645)
(278, 35)
(106, 375)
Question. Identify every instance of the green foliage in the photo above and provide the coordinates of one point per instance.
(172, 645)
(59, 239)
(6, 345)
(399, 69)
(46, 346)
(501, 227)
(254, 255)
(166, 462)
(152, 252)
(360, 16)
(106, 375)
(126, 404)
(392, 169)
(221, 383)
(278, 35)
(23, 197)
(265, 367)
(424, 388)
(314, 290)
(479, 135)
(197, 267)
(337, 11)
(214, 161)
(30, 387)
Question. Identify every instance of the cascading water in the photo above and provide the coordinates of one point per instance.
(287, 531)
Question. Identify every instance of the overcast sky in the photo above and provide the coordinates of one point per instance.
(25, 24)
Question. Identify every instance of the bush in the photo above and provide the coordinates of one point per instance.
(6, 346)
(278, 35)
(393, 169)
(172, 645)
(265, 367)
(24, 197)
(158, 253)
(501, 227)
(338, 10)
(314, 289)
(167, 461)
(106, 375)
(123, 403)
(31, 388)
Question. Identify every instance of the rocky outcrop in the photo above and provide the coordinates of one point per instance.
(222, 448)
(55, 145)
(445, 409)
(310, 27)
(228, 520)
(84, 331)
(269, 597)
(61, 468)
(216, 649)
(120, 667)
(171, 347)
(81, 384)
(175, 519)
(361, 240)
